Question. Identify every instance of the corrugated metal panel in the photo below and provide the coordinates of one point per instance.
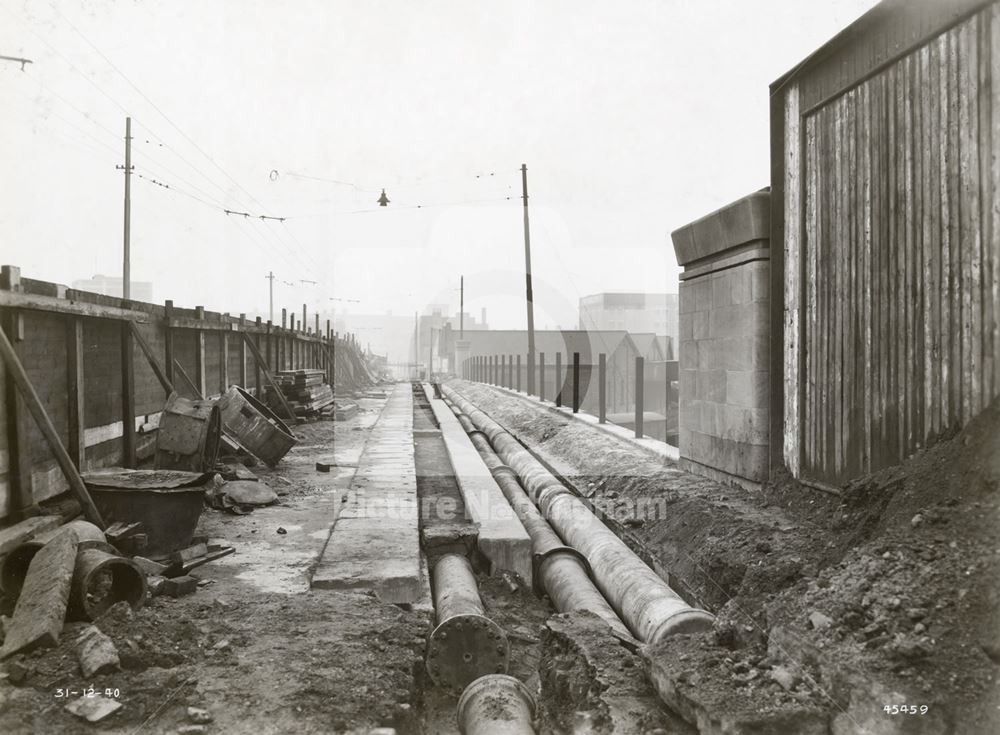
(900, 256)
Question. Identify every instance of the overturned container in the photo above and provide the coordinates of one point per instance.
(188, 435)
(254, 426)
(168, 503)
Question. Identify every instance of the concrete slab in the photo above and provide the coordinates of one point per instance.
(375, 543)
(41, 607)
(502, 538)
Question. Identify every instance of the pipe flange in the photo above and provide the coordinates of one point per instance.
(501, 470)
(538, 558)
(465, 647)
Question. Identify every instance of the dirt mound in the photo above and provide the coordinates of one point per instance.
(884, 596)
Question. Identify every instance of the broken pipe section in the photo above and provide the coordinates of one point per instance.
(465, 644)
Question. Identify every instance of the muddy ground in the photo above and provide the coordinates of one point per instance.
(253, 646)
(831, 608)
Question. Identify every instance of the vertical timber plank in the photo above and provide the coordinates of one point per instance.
(75, 445)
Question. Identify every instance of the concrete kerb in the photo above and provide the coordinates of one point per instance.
(658, 449)
(502, 538)
(375, 543)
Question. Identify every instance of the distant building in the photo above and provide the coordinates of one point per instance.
(435, 323)
(112, 286)
(633, 312)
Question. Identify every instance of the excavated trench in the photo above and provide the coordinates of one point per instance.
(445, 529)
(583, 676)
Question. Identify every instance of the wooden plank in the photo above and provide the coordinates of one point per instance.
(867, 280)
(855, 415)
(992, 192)
(187, 379)
(944, 232)
(270, 381)
(896, 255)
(809, 367)
(168, 341)
(922, 148)
(19, 463)
(954, 235)
(154, 364)
(200, 375)
(128, 395)
(907, 225)
(932, 122)
(33, 302)
(34, 404)
(243, 353)
(224, 360)
(76, 445)
(966, 227)
(202, 324)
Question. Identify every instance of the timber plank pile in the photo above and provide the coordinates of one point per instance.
(305, 391)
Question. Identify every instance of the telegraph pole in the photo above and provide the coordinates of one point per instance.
(527, 283)
(270, 277)
(126, 262)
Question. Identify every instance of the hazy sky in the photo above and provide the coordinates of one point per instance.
(633, 117)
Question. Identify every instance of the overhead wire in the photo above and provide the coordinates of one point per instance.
(124, 109)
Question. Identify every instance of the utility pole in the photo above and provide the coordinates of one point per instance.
(461, 307)
(527, 283)
(270, 292)
(126, 262)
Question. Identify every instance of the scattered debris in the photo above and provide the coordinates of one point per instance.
(180, 586)
(281, 530)
(93, 708)
(96, 652)
(199, 716)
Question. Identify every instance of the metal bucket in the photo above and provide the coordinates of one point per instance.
(255, 426)
(168, 503)
(188, 436)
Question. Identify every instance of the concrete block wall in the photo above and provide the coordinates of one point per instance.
(723, 346)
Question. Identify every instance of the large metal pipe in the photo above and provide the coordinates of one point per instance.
(466, 644)
(496, 705)
(14, 566)
(646, 603)
(561, 571)
(100, 580)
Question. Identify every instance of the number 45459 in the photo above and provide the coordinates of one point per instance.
(905, 709)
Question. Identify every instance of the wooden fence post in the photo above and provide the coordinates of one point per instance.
(200, 377)
(74, 391)
(559, 386)
(576, 382)
(602, 397)
(541, 376)
(639, 370)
